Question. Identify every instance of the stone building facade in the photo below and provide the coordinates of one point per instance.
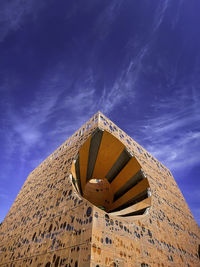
(100, 200)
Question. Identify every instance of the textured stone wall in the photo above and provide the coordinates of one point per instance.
(50, 224)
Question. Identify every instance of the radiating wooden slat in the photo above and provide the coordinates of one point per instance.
(133, 192)
(93, 152)
(131, 168)
(119, 164)
(83, 161)
(128, 185)
(109, 151)
(139, 206)
(73, 169)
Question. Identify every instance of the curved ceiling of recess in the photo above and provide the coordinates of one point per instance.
(107, 175)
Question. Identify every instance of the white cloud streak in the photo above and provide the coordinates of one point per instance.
(12, 14)
(174, 132)
(44, 117)
(160, 13)
(106, 19)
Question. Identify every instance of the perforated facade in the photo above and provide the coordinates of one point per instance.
(100, 200)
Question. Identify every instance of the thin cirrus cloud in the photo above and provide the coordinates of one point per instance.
(160, 13)
(177, 127)
(106, 19)
(57, 111)
(13, 13)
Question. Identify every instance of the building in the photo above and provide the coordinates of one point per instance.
(100, 200)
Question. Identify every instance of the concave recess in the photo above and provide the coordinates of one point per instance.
(107, 175)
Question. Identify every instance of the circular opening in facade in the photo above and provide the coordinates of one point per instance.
(112, 179)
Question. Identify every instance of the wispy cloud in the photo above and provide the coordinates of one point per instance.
(177, 16)
(123, 89)
(12, 14)
(106, 19)
(160, 13)
(58, 108)
(172, 133)
(4, 196)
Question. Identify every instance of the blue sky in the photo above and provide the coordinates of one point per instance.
(136, 61)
